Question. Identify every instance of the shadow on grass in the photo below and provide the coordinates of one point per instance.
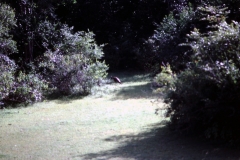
(135, 92)
(160, 144)
(130, 76)
(63, 99)
(3, 156)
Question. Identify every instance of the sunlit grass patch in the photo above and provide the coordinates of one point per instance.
(78, 125)
(134, 85)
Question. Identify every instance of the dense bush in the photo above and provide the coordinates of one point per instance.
(206, 96)
(16, 86)
(27, 88)
(7, 46)
(52, 58)
(163, 45)
(7, 79)
(7, 22)
(75, 66)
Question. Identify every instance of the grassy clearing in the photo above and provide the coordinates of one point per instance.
(117, 123)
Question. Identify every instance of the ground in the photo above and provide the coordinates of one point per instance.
(117, 122)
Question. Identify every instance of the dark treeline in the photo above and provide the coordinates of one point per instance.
(122, 25)
(125, 26)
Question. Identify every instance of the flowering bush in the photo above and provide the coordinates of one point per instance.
(75, 66)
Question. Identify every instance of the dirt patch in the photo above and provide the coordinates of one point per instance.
(117, 123)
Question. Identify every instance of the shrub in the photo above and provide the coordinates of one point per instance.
(7, 22)
(163, 81)
(75, 66)
(27, 88)
(7, 79)
(206, 96)
(7, 46)
(163, 45)
(16, 86)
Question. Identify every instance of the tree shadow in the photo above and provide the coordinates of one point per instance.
(138, 91)
(158, 143)
(130, 76)
(64, 99)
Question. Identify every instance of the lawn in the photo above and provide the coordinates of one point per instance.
(117, 122)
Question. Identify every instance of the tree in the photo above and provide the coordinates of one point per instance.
(40, 39)
(7, 47)
(30, 15)
(122, 25)
(163, 45)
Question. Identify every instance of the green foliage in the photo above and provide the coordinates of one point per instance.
(122, 25)
(7, 22)
(7, 46)
(72, 62)
(206, 95)
(163, 45)
(75, 66)
(164, 80)
(49, 33)
(30, 16)
(7, 79)
(28, 88)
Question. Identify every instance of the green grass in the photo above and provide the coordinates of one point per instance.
(116, 122)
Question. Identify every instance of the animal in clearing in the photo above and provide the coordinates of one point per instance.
(116, 80)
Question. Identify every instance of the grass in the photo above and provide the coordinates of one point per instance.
(117, 122)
